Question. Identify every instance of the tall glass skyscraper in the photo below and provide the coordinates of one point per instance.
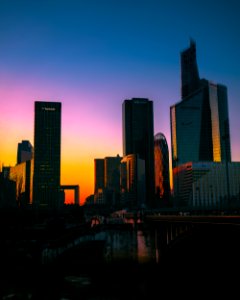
(138, 138)
(24, 152)
(199, 122)
(161, 162)
(47, 154)
(189, 70)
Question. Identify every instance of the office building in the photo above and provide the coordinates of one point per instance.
(190, 80)
(133, 182)
(47, 154)
(199, 122)
(22, 174)
(24, 151)
(204, 185)
(138, 138)
(107, 180)
(7, 192)
(161, 162)
(98, 174)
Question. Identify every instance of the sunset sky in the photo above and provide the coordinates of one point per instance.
(91, 55)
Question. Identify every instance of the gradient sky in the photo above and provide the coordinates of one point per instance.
(91, 55)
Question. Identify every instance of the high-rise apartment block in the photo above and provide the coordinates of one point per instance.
(138, 138)
(47, 154)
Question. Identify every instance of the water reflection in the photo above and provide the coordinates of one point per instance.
(135, 245)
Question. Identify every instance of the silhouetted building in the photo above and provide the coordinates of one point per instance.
(199, 122)
(133, 183)
(5, 171)
(7, 192)
(107, 180)
(24, 151)
(47, 154)
(112, 172)
(22, 174)
(189, 71)
(138, 138)
(162, 178)
(98, 174)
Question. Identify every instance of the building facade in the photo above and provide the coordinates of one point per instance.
(161, 163)
(22, 174)
(138, 138)
(98, 174)
(133, 187)
(107, 180)
(24, 151)
(200, 121)
(205, 185)
(47, 154)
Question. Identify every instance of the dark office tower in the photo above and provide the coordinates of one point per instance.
(200, 126)
(24, 152)
(161, 161)
(47, 150)
(138, 138)
(98, 174)
(189, 70)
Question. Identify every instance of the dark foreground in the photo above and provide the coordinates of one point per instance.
(205, 263)
(189, 270)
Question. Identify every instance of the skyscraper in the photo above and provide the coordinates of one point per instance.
(98, 174)
(138, 138)
(199, 122)
(133, 182)
(161, 162)
(47, 154)
(24, 152)
(189, 70)
(107, 180)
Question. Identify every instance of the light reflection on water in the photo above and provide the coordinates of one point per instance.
(135, 245)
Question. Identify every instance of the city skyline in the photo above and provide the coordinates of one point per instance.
(91, 57)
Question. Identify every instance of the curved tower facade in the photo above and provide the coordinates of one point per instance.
(161, 162)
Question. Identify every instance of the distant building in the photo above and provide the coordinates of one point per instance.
(22, 174)
(7, 192)
(47, 155)
(107, 180)
(161, 162)
(133, 182)
(204, 185)
(98, 174)
(24, 151)
(138, 138)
